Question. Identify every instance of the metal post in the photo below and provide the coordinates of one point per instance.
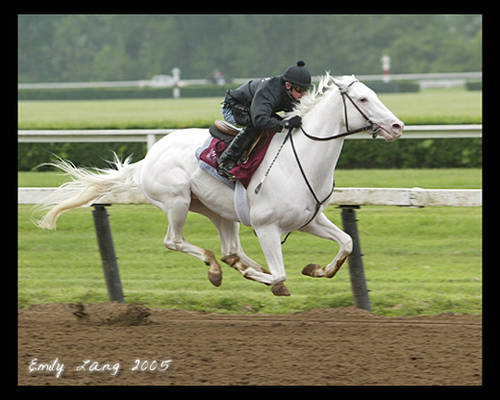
(107, 250)
(356, 270)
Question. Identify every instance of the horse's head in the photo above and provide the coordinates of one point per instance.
(363, 106)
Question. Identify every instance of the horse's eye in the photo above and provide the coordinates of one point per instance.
(363, 100)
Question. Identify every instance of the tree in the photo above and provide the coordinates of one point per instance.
(130, 47)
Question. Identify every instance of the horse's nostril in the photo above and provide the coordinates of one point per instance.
(397, 128)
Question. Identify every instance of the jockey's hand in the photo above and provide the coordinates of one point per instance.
(294, 122)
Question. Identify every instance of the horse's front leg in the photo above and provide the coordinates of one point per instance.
(270, 243)
(322, 227)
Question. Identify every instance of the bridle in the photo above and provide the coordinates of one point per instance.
(370, 126)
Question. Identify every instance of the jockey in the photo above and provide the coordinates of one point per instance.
(254, 105)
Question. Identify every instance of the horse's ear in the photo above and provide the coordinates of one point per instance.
(337, 83)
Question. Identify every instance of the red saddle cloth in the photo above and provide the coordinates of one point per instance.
(242, 171)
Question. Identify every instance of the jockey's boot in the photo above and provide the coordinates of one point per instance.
(233, 152)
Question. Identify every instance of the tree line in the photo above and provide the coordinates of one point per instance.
(59, 48)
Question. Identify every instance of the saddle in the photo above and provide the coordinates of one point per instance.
(226, 132)
(208, 154)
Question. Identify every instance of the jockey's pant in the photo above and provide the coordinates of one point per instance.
(228, 114)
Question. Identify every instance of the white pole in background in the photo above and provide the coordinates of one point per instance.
(386, 67)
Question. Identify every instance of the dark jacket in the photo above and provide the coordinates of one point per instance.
(264, 98)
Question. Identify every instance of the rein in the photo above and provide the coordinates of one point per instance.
(319, 203)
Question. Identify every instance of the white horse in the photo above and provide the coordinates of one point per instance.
(288, 191)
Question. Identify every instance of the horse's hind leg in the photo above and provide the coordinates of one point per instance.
(322, 227)
(174, 240)
(233, 253)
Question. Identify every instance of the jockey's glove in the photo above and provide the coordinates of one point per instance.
(294, 122)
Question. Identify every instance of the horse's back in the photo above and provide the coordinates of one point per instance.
(171, 161)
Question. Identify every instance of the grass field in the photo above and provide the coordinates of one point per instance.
(442, 178)
(427, 107)
(417, 260)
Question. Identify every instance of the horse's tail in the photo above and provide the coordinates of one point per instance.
(86, 187)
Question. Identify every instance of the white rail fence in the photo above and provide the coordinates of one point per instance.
(407, 197)
(150, 136)
(172, 80)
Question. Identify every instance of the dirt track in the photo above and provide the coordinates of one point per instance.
(344, 346)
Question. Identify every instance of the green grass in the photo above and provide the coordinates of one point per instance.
(443, 178)
(118, 114)
(417, 260)
(437, 106)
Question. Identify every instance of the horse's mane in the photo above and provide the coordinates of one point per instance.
(314, 95)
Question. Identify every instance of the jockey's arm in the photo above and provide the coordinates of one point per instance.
(262, 112)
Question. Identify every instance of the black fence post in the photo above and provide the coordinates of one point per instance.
(107, 250)
(356, 269)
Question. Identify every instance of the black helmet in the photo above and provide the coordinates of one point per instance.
(298, 74)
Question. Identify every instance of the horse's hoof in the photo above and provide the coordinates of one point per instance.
(215, 277)
(279, 289)
(313, 270)
(333, 271)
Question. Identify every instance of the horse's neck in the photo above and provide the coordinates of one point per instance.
(320, 157)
